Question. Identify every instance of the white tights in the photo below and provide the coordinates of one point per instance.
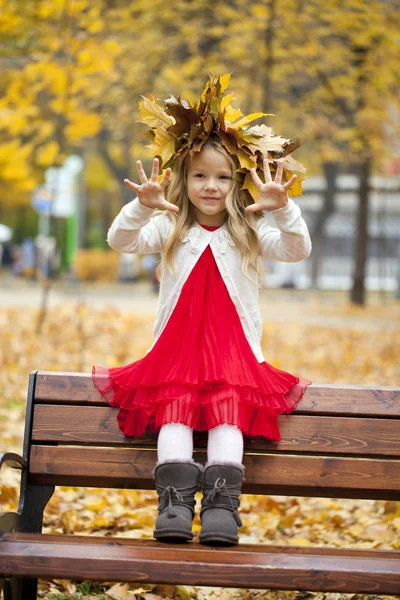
(175, 442)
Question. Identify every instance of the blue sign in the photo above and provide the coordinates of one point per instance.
(42, 200)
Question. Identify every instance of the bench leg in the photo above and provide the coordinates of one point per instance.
(12, 589)
(16, 588)
(35, 499)
(32, 507)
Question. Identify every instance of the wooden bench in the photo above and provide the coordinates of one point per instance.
(342, 441)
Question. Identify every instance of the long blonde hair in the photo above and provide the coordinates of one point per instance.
(241, 226)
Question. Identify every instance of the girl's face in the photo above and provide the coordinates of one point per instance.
(209, 180)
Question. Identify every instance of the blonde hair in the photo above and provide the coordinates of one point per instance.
(241, 226)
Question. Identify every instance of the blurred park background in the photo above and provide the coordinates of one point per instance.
(72, 73)
(74, 70)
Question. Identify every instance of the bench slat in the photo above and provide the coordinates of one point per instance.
(265, 474)
(78, 388)
(253, 548)
(75, 558)
(328, 435)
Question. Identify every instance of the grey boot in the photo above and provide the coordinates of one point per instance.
(220, 519)
(176, 484)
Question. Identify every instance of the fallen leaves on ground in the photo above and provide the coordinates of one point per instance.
(75, 337)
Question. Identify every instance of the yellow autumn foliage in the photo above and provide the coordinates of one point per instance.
(82, 124)
(90, 59)
(47, 154)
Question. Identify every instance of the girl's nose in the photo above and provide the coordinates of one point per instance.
(210, 185)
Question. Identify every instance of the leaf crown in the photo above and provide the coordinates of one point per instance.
(178, 128)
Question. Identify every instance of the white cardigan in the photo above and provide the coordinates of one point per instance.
(137, 230)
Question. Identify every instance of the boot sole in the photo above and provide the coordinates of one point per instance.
(172, 536)
(216, 539)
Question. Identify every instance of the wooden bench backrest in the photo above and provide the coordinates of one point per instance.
(75, 440)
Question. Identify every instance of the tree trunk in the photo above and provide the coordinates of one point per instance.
(318, 231)
(83, 214)
(106, 214)
(269, 63)
(361, 244)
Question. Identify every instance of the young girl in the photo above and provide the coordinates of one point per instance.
(205, 369)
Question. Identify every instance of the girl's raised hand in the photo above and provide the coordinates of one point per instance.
(273, 194)
(151, 193)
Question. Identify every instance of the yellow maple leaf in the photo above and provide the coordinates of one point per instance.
(224, 81)
(159, 178)
(245, 160)
(204, 92)
(248, 119)
(296, 189)
(249, 185)
(291, 164)
(265, 144)
(258, 131)
(164, 145)
(225, 102)
(232, 114)
(154, 115)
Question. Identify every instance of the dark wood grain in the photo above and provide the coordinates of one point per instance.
(192, 564)
(153, 545)
(90, 425)
(78, 388)
(270, 474)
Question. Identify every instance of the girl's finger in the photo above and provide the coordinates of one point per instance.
(171, 207)
(252, 208)
(166, 178)
(154, 172)
(141, 173)
(279, 172)
(132, 185)
(255, 177)
(267, 171)
(291, 181)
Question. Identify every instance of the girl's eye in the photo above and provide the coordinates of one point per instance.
(225, 177)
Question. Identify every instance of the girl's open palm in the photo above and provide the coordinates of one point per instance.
(151, 193)
(273, 194)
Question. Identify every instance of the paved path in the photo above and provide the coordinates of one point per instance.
(312, 308)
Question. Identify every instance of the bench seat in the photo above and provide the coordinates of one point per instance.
(255, 566)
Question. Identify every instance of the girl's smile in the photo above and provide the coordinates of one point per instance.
(209, 181)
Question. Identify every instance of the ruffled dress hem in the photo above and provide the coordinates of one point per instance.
(220, 402)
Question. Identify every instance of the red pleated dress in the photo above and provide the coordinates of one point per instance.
(202, 371)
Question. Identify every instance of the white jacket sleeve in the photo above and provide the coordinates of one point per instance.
(291, 241)
(133, 231)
